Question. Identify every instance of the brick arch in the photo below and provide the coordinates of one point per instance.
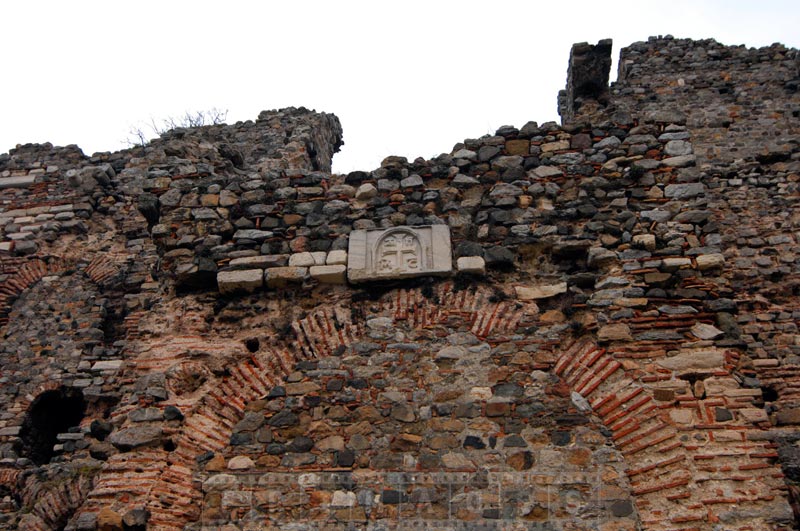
(99, 271)
(26, 274)
(25, 401)
(655, 460)
(51, 502)
(664, 465)
(172, 497)
(686, 469)
(23, 277)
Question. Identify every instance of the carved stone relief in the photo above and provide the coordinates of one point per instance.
(399, 252)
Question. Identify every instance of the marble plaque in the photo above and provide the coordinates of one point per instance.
(399, 252)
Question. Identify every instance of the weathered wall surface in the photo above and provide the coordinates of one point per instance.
(738, 102)
(615, 348)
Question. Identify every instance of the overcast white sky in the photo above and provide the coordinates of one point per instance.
(405, 78)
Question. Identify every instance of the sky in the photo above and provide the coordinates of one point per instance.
(408, 78)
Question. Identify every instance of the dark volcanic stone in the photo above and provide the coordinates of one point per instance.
(392, 497)
(514, 441)
(529, 410)
(508, 390)
(345, 458)
(621, 508)
(468, 410)
(468, 249)
(300, 444)
(335, 384)
(722, 414)
(472, 441)
(252, 421)
(357, 383)
(500, 258)
(277, 392)
(100, 429)
(172, 413)
(356, 177)
(721, 305)
(135, 437)
(283, 419)
(312, 401)
(276, 449)
(560, 438)
(241, 439)
(148, 206)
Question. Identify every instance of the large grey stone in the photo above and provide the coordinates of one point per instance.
(366, 191)
(684, 190)
(247, 280)
(278, 277)
(329, 274)
(706, 331)
(338, 257)
(465, 154)
(694, 360)
(252, 234)
(107, 365)
(261, 261)
(615, 332)
(692, 216)
(608, 142)
(399, 252)
(675, 148)
(681, 161)
(135, 437)
(600, 256)
(657, 215)
(547, 171)
(17, 182)
(709, 261)
(411, 181)
(307, 259)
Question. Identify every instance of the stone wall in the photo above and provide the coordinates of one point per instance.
(739, 103)
(615, 348)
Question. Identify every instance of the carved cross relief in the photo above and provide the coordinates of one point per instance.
(399, 252)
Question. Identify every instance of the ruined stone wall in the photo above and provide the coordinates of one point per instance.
(738, 102)
(614, 349)
(741, 107)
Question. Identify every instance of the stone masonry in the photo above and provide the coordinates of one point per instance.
(591, 325)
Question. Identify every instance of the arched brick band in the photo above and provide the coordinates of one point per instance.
(676, 481)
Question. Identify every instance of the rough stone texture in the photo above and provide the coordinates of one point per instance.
(329, 274)
(279, 277)
(587, 77)
(247, 280)
(22, 181)
(630, 360)
(474, 265)
(543, 291)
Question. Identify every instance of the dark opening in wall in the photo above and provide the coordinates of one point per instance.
(51, 413)
(252, 344)
(769, 394)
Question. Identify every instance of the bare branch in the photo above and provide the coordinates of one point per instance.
(213, 116)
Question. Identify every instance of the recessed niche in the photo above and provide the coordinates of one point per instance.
(51, 413)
